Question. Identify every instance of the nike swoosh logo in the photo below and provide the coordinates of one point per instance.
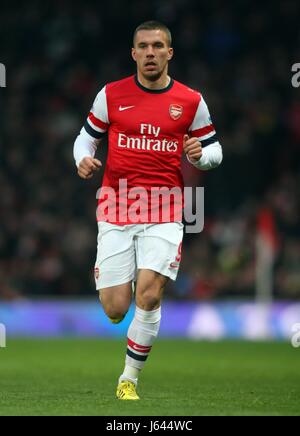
(121, 108)
(175, 265)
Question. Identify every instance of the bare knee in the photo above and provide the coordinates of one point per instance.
(150, 287)
(149, 299)
(114, 310)
(115, 313)
(115, 302)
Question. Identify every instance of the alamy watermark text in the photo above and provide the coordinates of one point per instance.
(2, 336)
(296, 337)
(157, 204)
(296, 76)
(2, 76)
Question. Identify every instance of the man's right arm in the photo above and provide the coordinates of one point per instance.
(84, 151)
(90, 136)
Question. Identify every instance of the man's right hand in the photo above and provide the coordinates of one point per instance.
(88, 166)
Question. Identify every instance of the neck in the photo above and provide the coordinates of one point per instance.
(160, 83)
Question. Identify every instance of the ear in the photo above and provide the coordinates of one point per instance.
(170, 53)
(133, 54)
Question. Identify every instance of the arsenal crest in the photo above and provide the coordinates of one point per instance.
(175, 111)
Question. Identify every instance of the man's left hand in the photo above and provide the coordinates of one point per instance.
(192, 147)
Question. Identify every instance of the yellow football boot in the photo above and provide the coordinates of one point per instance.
(126, 390)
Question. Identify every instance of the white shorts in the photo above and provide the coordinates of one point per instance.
(123, 250)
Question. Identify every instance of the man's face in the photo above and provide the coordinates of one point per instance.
(151, 53)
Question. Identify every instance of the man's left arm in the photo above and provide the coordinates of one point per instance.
(201, 146)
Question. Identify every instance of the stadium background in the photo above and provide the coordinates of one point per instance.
(240, 57)
(57, 58)
(240, 278)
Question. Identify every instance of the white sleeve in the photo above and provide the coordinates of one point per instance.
(84, 146)
(212, 156)
(97, 122)
(203, 128)
(93, 130)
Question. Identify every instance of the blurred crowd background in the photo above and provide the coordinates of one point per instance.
(59, 55)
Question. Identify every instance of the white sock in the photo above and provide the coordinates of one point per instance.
(130, 373)
(142, 332)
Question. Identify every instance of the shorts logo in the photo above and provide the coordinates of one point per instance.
(175, 111)
(176, 264)
(97, 273)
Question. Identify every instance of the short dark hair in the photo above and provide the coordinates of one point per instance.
(154, 25)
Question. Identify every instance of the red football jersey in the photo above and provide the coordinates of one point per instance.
(145, 145)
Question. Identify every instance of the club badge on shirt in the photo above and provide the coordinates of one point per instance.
(175, 111)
